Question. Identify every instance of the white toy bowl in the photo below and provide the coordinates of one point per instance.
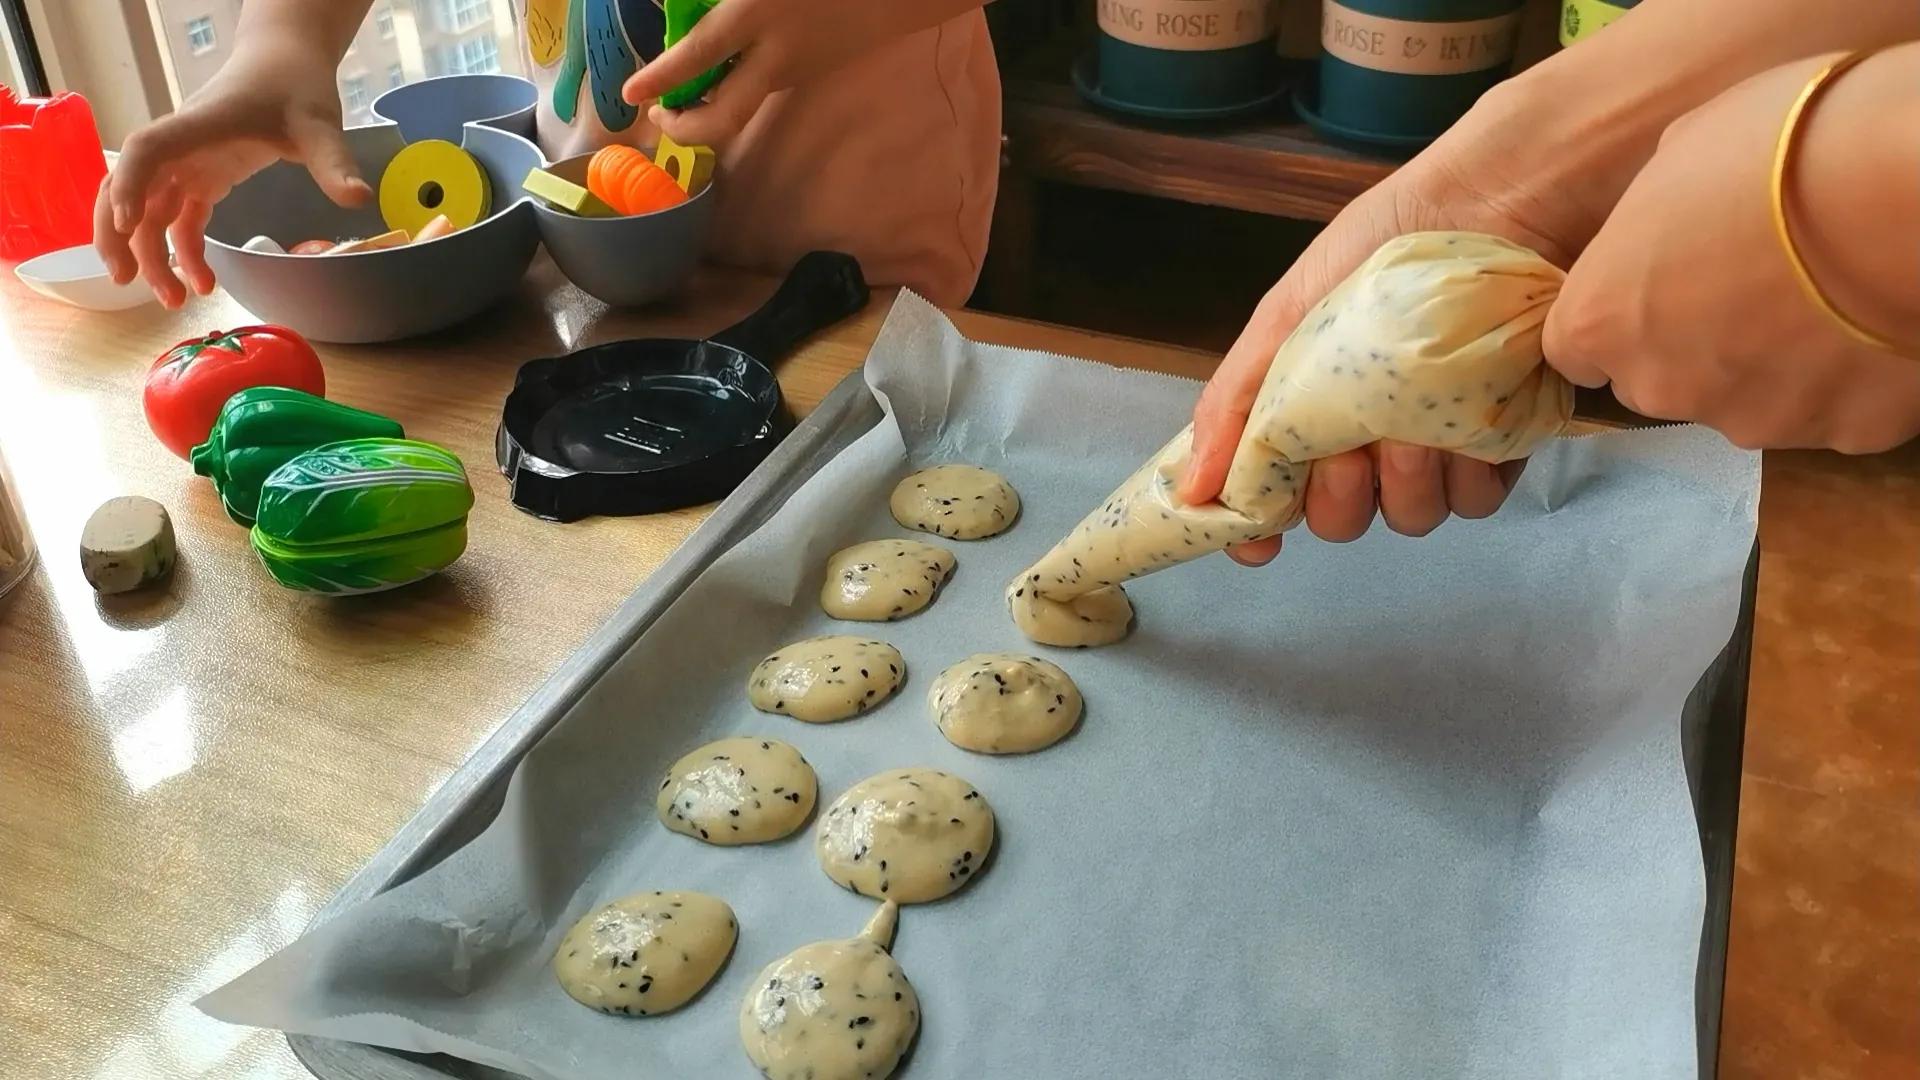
(76, 276)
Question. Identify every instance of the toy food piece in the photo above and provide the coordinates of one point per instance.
(433, 178)
(681, 17)
(624, 179)
(564, 194)
(690, 166)
(433, 230)
(189, 383)
(738, 791)
(824, 679)
(832, 1010)
(910, 835)
(127, 543)
(884, 580)
(960, 501)
(390, 239)
(1004, 703)
(313, 247)
(263, 428)
(265, 245)
(362, 516)
(646, 954)
(1434, 340)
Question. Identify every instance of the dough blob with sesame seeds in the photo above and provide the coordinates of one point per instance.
(832, 1010)
(645, 954)
(824, 679)
(883, 580)
(1004, 703)
(738, 791)
(909, 835)
(963, 502)
(1434, 340)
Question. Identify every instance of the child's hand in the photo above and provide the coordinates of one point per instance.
(262, 106)
(780, 44)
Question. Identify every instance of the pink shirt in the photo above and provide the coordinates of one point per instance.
(894, 159)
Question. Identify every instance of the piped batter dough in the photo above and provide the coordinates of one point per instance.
(645, 954)
(1004, 703)
(883, 580)
(738, 791)
(964, 502)
(910, 835)
(832, 1010)
(823, 679)
(1434, 340)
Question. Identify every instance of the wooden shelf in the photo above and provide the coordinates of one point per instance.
(1273, 166)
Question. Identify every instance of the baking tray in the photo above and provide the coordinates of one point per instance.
(1712, 732)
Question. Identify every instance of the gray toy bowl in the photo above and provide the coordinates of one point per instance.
(374, 295)
(442, 108)
(626, 261)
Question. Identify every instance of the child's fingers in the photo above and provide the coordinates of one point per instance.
(726, 111)
(149, 245)
(323, 147)
(723, 32)
(189, 233)
(147, 154)
(108, 240)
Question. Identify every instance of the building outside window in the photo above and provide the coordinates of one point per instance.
(474, 56)
(383, 22)
(353, 93)
(465, 14)
(200, 35)
(396, 76)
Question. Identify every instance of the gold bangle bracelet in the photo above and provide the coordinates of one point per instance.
(1784, 153)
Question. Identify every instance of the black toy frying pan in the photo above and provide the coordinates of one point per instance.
(651, 424)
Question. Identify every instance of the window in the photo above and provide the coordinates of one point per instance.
(383, 24)
(353, 93)
(465, 14)
(474, 56)
(396, 76)
(200, 36)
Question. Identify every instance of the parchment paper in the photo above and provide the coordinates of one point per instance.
(1399, 808)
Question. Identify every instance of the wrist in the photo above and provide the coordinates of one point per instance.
(1854, 194)
(1555, 145)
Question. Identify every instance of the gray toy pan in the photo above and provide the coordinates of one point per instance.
(402, 292)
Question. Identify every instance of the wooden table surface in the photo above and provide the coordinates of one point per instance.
(186, 776)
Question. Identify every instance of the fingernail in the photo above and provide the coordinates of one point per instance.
(1344, 479)
(1410, 459)
(120, 217)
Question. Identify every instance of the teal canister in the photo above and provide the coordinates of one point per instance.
(1177, 59)
(1400, 72)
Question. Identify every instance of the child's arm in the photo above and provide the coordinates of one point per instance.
(274, 98)
(780, 44)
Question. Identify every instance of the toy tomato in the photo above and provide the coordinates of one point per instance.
(191, 381)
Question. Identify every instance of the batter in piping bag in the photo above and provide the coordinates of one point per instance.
(1434, 340)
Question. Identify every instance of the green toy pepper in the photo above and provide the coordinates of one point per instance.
(262, 428)
(363, 515)
(681, 15)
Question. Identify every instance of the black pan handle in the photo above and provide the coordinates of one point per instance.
(821, 289)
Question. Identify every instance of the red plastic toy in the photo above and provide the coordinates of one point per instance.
(51, 166)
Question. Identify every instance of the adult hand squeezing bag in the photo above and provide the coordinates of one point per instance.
(1434, 340)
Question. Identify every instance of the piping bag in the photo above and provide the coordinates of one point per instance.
(1434, 340)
